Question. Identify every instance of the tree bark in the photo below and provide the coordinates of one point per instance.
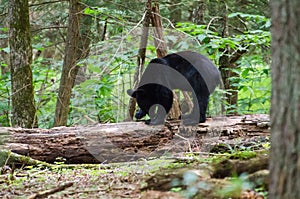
(285, 102)
(84, 41)
(70, 69)
(197, 12)
(226, 68)
(159, 41)
(227, 64)
(168, 178)
(175, 10)
(129, 140)
(161, 51)
(24, 111)
(228, 168)
(141, 56)
(94, 144)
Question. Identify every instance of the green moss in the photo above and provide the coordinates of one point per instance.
(242, 155)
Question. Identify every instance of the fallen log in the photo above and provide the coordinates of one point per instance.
(227, 167)
(197, 183)
(208, 180)
(91, 144)
(127, 141)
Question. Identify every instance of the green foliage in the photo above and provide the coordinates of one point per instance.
(259, 21)
(45, 78)
(104, 99)
(262, 191)
(98, 98)
(235, 187)
(5, 105)
(190, 179)
(252, 81)
(254, 86)
(109, 68)
(212, 42)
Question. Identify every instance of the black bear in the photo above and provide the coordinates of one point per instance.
(187, 71)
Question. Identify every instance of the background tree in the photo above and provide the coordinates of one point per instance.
(78, 46)
(24, 111)
(141, 56)
(70, 69)
(161, 51)
(285, 109)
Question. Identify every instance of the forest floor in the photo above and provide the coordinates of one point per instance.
(226, 170)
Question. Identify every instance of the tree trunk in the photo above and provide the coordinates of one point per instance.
(70, 69)
(175, 10)
(226, 68)
(141, 56)
(227, 64)
(24, 111)
(285, 102)
(161, 51)
(84, 41)
(159, 41)
(197, 12)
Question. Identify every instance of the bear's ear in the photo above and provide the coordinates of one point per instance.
(131, 93)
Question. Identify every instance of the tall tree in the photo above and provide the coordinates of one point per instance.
(70, 69)
(141, 56)
(285, 103)
(77, 48)
(161, 51)
(24, 111)
(86, 22)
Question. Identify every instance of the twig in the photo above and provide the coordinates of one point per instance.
(173, 26)
(49, 27)
(121, 42)
(47, 2)
(45, 194)
(210, 22)
(186, 139)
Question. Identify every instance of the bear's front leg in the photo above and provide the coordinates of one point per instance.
(203, 103)
(155, 121)
(157, 115)
(198, 114)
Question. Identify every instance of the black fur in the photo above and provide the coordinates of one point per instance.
(187, 71)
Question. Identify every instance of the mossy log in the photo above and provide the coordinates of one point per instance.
(206, 178)
(227, 167)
